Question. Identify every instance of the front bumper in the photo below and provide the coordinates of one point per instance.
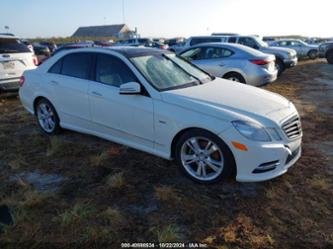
(9, 85)
(283, 154)
(290, 62)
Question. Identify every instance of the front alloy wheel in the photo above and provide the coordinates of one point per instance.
(204, 157)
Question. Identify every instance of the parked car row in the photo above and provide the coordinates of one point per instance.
(284, 57)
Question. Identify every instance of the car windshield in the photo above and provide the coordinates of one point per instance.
(168, 71)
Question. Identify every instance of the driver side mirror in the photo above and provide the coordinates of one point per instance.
(130, 88)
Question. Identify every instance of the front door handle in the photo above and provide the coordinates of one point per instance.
(97, 94)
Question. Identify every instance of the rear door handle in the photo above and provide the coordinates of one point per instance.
(97, 94)
(54, 83)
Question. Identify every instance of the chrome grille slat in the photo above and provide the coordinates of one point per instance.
(292, 127)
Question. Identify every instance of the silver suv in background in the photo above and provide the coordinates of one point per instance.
(15, 58)
(303, 49)
(233, 62)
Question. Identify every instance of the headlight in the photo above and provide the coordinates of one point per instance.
(252, 131)
(274, 134)
(290, 55)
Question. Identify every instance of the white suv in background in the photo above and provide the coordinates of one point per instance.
(15, 58)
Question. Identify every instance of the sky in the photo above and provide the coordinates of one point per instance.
(169, 18)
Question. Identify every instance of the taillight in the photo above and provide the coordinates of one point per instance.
(21, 82)
(35, 60)
(260, 62)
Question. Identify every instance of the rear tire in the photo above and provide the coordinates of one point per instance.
(279, 66)
(313, 54)
(233, 76)
(329, 57)
(204, 157)
(47, 117)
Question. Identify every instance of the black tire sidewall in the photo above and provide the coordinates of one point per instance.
(57, 121)
(329, 57)
(235, 75)
(229, 162)
(281, 66)
(312, 52)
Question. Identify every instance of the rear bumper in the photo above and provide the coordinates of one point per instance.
(262, 77)
(9, 85)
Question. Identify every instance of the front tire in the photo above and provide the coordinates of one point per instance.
(47, 117)
(313, 54)
(204, 157)
(279, 66)
(329, 57)
(234, 77)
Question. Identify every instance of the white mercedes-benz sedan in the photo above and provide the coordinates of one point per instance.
(155, 101)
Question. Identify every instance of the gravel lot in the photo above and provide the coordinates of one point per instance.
(78, 191)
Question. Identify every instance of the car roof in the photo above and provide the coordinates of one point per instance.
(126, 51)
(8, 37)
(236, 46)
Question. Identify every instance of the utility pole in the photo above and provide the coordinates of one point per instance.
(123, 3)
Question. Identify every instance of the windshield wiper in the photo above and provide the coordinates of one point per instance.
(192, 83)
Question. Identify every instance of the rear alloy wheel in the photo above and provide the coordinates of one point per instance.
(47, 117)
(329, 57)
(313, 54)
(234, 77)
(204, 157)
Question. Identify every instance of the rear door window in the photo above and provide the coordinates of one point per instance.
(12, 46)
(216, 53)
(77, 65)
(56, 68)
(192, 54)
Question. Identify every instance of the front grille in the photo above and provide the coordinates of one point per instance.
(292, 127)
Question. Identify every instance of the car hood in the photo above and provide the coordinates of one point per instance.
(228, 100)
(277, 49)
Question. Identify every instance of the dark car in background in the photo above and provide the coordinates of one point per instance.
(326, 51)
(51, 45)
(42, 52)
(73, 45)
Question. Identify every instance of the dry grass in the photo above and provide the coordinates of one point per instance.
(76, 214)
(113, 217)
(57, 147)
(116, 181)
(320, 183)
(100, 159)
(169, 233)
(166, 194)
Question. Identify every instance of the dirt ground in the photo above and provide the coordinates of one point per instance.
(78, 191)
